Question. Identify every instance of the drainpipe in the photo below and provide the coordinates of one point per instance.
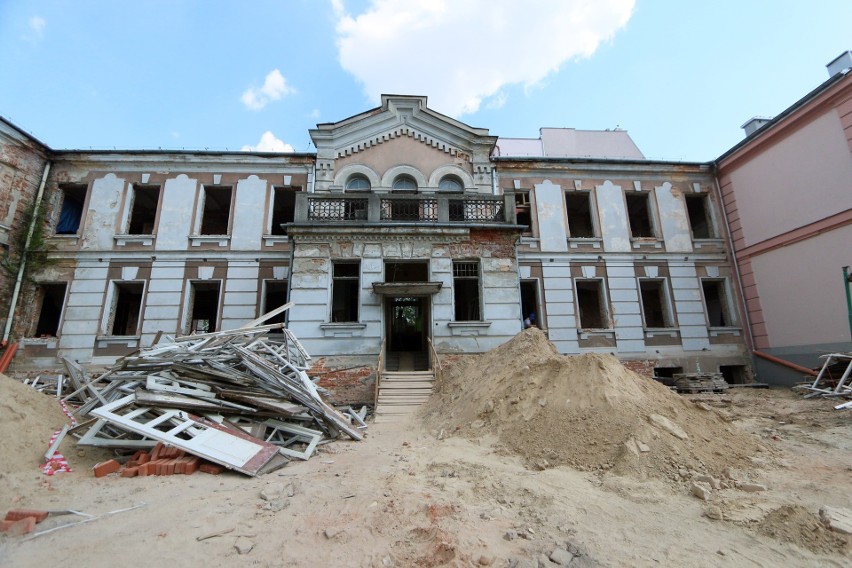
(846, 281)
(734, 260)
(16, 292)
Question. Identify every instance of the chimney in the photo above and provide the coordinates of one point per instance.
(840, 64)
(754, 124)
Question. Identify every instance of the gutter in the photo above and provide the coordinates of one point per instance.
(16, 292)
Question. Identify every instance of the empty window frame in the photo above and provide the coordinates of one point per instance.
(466, 290)
(51, 298)
(639, 215)
(451, 183)
(126, 308)
(523, 210)
(345, 280)
(71, 210)
(655, 303)
(143, 209)
(203, 306)
(274, 296)
(578, 204)
(216, 212)
(591, 304)
(283, 208)
(716, 303)
(698, 208)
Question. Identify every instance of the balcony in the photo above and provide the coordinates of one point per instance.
(385, 209)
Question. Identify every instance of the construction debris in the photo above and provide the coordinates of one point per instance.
(699, 382)
(834, 378)
(239, 398)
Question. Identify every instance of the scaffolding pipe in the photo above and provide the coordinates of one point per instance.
(785, 363)
(16, 292)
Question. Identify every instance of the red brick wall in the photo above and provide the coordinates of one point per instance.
(643, 367)
(347, 384)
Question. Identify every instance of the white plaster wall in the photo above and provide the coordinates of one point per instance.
(802, 290)
(249, 206)
(615, 230)
(674, 219)
(83, 311)
(626, 316)
(775, 190)
(102, 216)
(689, 307)
(176, 213)
(558, 292)
(162, 302)
(240, 294)
(550, 207)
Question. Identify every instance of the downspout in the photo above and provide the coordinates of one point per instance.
(16, 292)
(734, 259)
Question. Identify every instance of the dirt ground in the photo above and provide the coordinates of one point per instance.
(444, 490)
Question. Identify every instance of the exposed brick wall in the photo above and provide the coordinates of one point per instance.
(348, 384)
(21, 167)
(643, 367)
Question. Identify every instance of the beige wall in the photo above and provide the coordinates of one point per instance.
(801, 290)
(802, 179)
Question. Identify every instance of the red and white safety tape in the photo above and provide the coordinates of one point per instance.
(57, 462)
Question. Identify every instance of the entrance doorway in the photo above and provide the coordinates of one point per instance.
(407, 324)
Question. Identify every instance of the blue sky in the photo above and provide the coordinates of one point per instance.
(680, 76)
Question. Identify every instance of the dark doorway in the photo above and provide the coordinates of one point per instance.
(529, 302)
(407, 325)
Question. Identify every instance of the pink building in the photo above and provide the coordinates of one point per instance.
(787, 195)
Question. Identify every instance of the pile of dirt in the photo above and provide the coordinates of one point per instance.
(795, 524)
(27, 421)
(588, 412)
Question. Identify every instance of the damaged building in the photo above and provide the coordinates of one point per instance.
(407, 237)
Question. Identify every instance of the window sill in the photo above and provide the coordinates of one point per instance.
(646, 242)
(714, 243)
(47, 342)
(469, 327)
(717, 331)
(270, 240)
(343, 329)
(144, 240)
(588, 333)
(220, 240)
(585, 243)
(128, 340)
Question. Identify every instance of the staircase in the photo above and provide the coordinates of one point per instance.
(401, 392)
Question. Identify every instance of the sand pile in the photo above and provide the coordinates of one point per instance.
(27, 421)
(588, 411)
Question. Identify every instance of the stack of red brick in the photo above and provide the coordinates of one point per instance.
(22, 521)
(163, 460)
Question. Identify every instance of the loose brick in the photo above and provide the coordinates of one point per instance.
(142, 470)
(144, 458)
(130, 472)
(22, 526)
(155, 453)
(211, 468)
(18, 514)
(105, 468)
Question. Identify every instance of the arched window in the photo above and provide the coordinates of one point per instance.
(357, 182)
(450, 183)
(405, 182)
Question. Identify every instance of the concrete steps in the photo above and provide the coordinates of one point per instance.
(401, 393)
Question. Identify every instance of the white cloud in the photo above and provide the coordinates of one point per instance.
(37, 25)
(269, 143)
(274, 87)
(461, 53)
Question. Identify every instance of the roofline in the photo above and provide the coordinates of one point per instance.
(188, 153)
(580, 160)
(824, 86)
(25, 133)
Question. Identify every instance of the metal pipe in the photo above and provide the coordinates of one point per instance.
(848, 296)
(16, 292)
(785, 363)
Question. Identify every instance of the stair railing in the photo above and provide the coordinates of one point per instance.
(379, 366)
(437, 369)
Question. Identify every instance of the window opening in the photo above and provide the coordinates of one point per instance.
(344, 291)
(405, 183)
(406, 272)
(358, 182)
(126, 308)
(466, 291)
(143, 212)
(734, 374)
(654, 305)
(699, 216)
(283, 209)
(523, 212)
(50, 313)
(579, 208)
(274, 296)
(591, 304)
(666, 375)
(716, 303)
(204, 310)
(529, 303)
(639, 215)
(450, 183)
(71, 213)
(217, 210)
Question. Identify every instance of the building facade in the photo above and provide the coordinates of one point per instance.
(407, 235)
